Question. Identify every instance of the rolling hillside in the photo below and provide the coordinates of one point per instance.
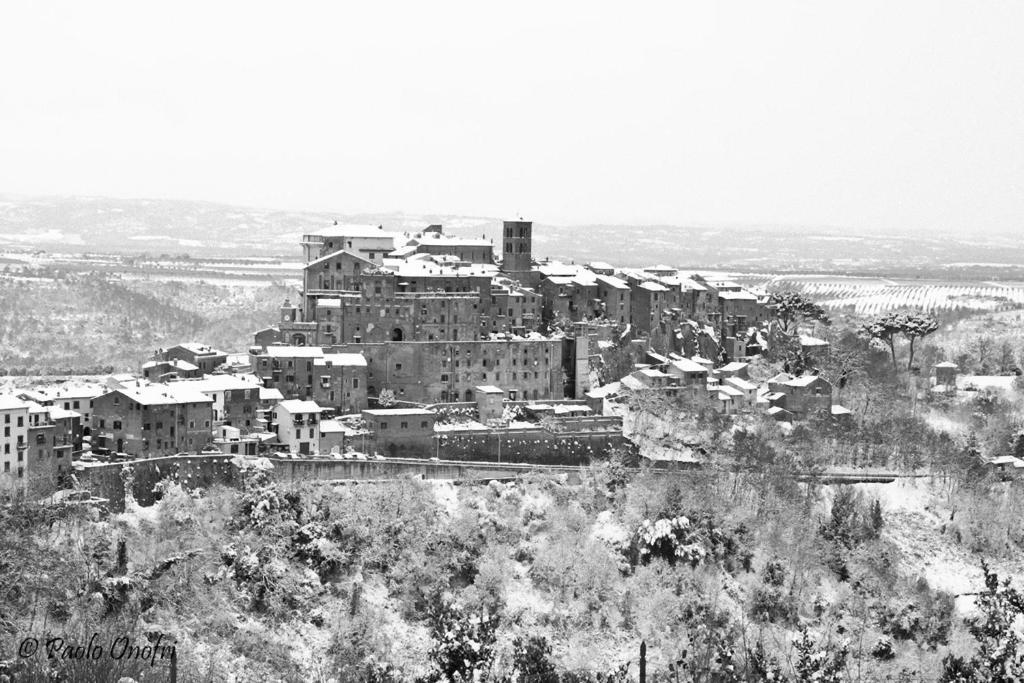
(93, 224)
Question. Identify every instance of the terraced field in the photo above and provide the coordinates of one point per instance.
(870, 296)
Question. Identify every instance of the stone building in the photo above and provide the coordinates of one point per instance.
(443, 372)
(236, 399)
(369, 242)
(340, 382)
(151, 420)
(807, 395)
(163, 370)
(298, 426)
(288, 369)
(615, 297)
(13, 437)
(402, 432)
(648, 299)
(517, 252)
(465, 250)
(204, 357)
(54, 436)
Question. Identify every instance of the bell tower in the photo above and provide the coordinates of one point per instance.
(517, 242)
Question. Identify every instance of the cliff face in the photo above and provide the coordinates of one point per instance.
(698, 340)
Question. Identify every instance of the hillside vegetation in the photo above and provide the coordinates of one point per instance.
(746, 577)
(85, 324)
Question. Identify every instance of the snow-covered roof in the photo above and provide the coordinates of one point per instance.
(737, 296)
(386, 412)
(270, 394)
(296, 406)
(804, 381)
(687, 365)
(741, 384)
(162, 394)
(355, 230)
(633, 383)
(61, 414)
(174, 362)
(807, 340)
(612, 281)
(336, 254)
(331, 427)
(607, 390)
(11, 402)
(220, 382)
(734, 366)
(294, 351)
(433, 239)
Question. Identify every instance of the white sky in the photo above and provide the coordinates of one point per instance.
(872, 115)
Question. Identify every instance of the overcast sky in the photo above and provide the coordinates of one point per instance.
(869, 115)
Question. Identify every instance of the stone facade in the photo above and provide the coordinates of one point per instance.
(442, 372)
(150, 420)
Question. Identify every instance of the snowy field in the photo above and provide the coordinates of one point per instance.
(871, 296)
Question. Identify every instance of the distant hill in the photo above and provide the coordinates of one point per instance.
(156, 226)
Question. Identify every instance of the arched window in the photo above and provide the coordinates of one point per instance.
(397, 334)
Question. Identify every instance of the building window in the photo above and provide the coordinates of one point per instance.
(117, 425)
(383, 426)
(405, 425)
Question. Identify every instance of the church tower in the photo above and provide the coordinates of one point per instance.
(517, 252)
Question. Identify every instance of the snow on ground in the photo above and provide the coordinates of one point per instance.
(458, 426)
(446, 495)
(917, 521)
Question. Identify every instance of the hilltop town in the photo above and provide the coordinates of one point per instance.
(515, 415)
(426, 345)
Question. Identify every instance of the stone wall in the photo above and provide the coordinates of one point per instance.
(532, 446)
(203, 471)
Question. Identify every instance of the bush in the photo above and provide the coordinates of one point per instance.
(882, 650)
(926, 620)
(531, 660)
(463, 640)
(772, 605)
